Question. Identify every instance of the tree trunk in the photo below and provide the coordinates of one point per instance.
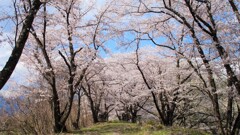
(94, 110)
(95, 116)
(236, 126)
(59, 128)
(56, 111)
(76, 123)
(17, 50)
(229, 121)
(134, 117)
(235, 9)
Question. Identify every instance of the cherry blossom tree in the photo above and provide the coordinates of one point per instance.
(95, 87)
(71, 46)
(126, 87)
(196, 31)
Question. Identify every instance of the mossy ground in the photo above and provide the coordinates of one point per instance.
(120, 128)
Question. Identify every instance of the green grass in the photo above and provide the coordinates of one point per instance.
(110, 128)
(120, 128)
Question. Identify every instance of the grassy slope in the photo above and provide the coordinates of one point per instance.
(117, 128)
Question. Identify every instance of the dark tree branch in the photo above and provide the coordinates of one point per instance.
(19, 46)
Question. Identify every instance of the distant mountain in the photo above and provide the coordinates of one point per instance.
(2, 101)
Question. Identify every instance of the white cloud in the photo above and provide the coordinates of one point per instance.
(19, 75)
(5, 52)
(10, 93)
